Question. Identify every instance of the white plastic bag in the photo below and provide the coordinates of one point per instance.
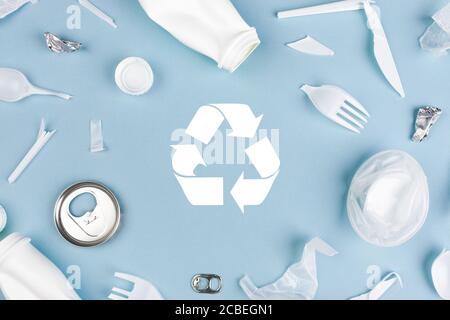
(388, 199)
(299, 282)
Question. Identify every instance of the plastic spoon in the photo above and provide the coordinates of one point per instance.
(14, 86)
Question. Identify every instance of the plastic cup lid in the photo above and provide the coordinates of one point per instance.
(134, 76)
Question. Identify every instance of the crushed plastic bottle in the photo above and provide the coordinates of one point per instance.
(437, 36)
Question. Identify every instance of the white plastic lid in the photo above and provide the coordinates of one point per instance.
(134, 76)
(388, 199)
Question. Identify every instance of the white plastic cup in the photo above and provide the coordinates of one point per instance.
(26, 274)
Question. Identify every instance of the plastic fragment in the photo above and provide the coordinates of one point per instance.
(381, 287)
(96, 136)
(42, 139)
(436, 38)
(9, 6)
(309, 45)
(299, 282)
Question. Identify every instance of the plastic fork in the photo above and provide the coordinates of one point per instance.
(338, 105)
(142, 289)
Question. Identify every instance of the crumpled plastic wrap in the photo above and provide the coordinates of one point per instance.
(9, 6)
(437, 36)
(442, 18)
(299, 282)
(388, 199)
(426, 117)
(58, 45)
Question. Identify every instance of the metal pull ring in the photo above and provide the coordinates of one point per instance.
(206, 283)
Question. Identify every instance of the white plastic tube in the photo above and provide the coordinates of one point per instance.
(26, 274)
(211, 27)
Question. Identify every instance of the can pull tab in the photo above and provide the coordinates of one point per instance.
(91, 222)
(206, 283)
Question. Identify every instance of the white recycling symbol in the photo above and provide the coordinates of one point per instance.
(202, 191)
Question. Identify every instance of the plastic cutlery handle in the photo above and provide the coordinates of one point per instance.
(46, 92)
(339, 6)
(31, 154)
(88, 5)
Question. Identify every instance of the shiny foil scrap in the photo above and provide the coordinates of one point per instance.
(425, 119)
(58, 45)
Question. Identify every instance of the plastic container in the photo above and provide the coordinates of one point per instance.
(211, 27)
(388, 199)
(26, 274)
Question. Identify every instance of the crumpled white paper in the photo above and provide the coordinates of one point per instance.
(299, 282)
(381, 287)
(437, 36)
(96, 136)
(9, 6)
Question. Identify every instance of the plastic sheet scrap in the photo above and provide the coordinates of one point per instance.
(299, 282)
(311, 46)
(437, 36)
(97, 136)
(9, 6)
(425, 119)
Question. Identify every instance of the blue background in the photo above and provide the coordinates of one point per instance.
(162, 237)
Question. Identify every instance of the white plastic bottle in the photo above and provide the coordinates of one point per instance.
(26, 274)
(211, 27)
